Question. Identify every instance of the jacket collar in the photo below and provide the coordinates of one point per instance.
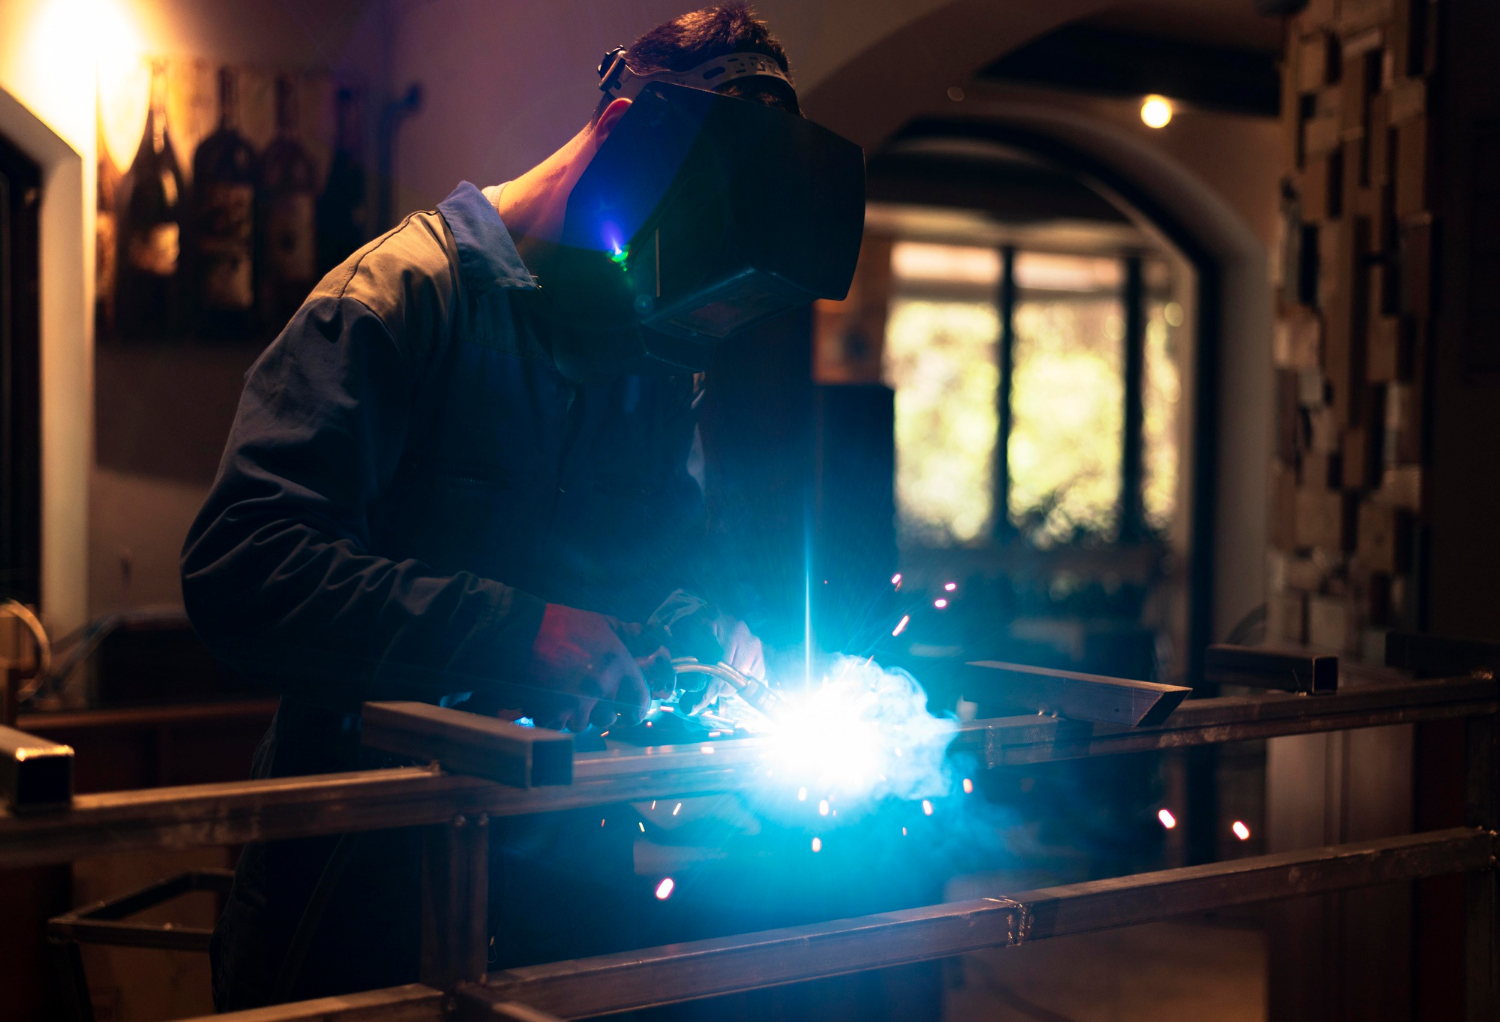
(487, 257)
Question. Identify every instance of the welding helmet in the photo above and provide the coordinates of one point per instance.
(701, 214)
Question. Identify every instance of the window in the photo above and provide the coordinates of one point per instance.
(1043, 430)
(940, 359)
(1067, 397)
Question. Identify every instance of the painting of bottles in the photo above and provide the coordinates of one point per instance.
(224, 194)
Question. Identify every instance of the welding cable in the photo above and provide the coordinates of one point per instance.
(312, 916)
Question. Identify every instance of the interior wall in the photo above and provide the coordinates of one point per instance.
(66, 370)
(508, 81)
(53, 56)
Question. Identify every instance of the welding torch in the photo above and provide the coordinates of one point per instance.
(751, 690)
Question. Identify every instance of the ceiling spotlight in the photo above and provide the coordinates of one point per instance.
(1156, 111)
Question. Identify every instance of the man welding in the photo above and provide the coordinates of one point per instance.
(463, 473)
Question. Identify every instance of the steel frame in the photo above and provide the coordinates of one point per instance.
(455, 810)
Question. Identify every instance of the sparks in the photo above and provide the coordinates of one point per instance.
(968, 786)
(601, 823)
(1167, 819)
(642, 826)
(653, 805)
(901, 625)
(950, 586)
(839, 738)
(823, 808)
(817, 844)
(1240, 830)
(664, 889)
(707, 750)
(940, 603)
(896, 579)
(926, 807)
(903, 831)
(677, 809)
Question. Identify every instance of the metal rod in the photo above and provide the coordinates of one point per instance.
(1482, 888)
(221, 814)
(1092, 697)
(469, 743)
(411, 1003)
(682, 972)
(455, 901)
(1132, 460)
(1430, 655)
(1287, 670)
(1001, 525)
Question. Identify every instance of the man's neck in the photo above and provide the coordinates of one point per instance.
(534, 204)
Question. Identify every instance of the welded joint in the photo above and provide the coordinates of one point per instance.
(1021, 918)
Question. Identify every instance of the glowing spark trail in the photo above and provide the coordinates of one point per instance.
(1167, 819)
(664, 889)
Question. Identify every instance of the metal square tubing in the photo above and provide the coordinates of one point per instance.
(707, 968)
(220, 814)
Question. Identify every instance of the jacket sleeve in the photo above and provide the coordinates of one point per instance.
(277, 572)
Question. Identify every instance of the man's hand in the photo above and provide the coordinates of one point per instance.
(742, 651)
(581, 673)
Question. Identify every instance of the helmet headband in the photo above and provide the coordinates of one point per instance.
(618, 81)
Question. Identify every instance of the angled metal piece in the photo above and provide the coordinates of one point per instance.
(411, 1003)
(706, 968)
(1092, 697)
(103, 922)
(1286, 670)
(467, 743)
(35, 773)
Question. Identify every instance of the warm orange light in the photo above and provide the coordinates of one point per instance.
(926, 807)
(968, 786)
(1167, 819)
(1240, 830)
(1156, 111)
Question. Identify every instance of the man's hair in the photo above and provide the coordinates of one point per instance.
(717, 31)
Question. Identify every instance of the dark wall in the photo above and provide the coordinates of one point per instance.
(1463, 488)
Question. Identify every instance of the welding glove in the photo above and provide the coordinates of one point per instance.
(582, 674)
(688, 625)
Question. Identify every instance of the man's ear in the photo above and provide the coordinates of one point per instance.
(609, 118)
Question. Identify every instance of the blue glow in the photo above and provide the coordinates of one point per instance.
(861, 734)
(526, 722)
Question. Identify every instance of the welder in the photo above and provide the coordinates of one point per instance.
(468, 472)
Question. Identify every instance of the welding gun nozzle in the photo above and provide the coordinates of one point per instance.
(754, 692)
